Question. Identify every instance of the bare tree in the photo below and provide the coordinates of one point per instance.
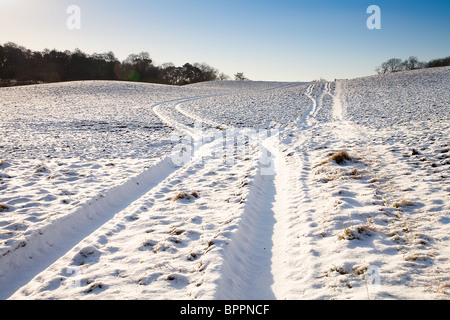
(394, 65)
(240, 76)
(413, 63)
(222, 77)
(208, 73)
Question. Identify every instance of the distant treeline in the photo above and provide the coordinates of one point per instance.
(19, 65)
(412, 63)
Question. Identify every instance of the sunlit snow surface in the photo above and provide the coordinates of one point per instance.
(89, 206)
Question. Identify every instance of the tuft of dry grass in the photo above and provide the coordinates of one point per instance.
(180, 195)
(3, 207)
(355, 174)
(40, 169)
(368, 226)
(185, 195)
(348, 235)
(403, 203)
(340, 157)
(359, 270)
(176, 231)
(195, 194)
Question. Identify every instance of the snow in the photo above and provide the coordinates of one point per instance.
(227, 190)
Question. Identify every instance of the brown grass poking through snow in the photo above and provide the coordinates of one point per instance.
(340, 157)
(3, 207)
(180, 195)
(403, 203)
(185, 195)
(195, 194)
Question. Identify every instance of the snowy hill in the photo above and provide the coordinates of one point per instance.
(227, 190)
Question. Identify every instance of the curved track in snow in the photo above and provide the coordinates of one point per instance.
(260, 260)
(49, 260)
(256, 255)
(237, 213)
(50, 249)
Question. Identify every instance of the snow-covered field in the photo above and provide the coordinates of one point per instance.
(227, 190)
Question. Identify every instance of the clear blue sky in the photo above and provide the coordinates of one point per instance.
(280, 40)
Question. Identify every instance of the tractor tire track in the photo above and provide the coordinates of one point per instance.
(49, 244)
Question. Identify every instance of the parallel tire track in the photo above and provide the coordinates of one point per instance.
(249, 267)
(246, 271)
(261, 258)
(47, 245)
(43, 248)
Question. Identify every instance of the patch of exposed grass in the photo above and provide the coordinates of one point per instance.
(403, 203)
(360, 270)
(176, 231)
(185, 195)
(356, 233)
(355, 174)
(340, 157)
(40, 169)
(348, 235)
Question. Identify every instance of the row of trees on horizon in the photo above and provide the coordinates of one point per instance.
(412, 63)
(19, 65)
